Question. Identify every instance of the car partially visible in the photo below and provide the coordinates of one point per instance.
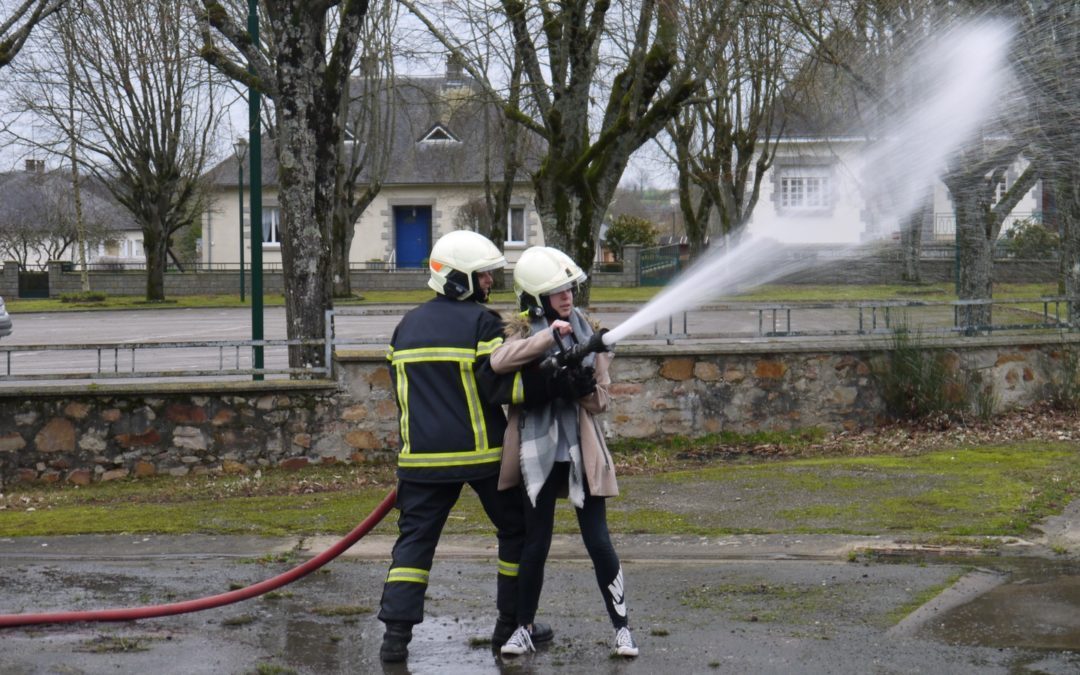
(5, 320)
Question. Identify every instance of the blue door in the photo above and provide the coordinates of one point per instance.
(412, 235)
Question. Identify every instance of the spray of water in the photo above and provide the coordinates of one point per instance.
(750, 263)
(948, 90)
(911, 153)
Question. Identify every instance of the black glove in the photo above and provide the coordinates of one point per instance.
(596, 343)
(574, 383)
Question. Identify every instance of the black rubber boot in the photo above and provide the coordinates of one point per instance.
(395, 643)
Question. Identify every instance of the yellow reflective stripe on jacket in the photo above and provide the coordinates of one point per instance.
(413, 575)
(476, 410)
(508, 569)
(421, 354)
(485, 348)
(466, 359)
(403, 402)
(416, 460)
(518, 393)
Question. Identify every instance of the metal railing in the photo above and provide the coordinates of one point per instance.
(233, 359)
(158, 360)
(837, 319)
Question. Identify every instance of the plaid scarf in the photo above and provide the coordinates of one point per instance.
(543, 427)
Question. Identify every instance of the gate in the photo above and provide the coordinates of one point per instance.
(33, 284)
(658, 265)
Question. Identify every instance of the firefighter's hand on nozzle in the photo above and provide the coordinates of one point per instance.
(560, 327)
(596, 342)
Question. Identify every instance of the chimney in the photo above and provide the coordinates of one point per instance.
(454, 70)
(35, 166)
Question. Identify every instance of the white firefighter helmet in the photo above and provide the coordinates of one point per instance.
(541, 271)
(456, 258)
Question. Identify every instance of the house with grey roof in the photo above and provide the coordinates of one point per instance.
(37, 220)
(444, 148)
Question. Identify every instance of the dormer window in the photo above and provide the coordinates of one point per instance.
(439, 134)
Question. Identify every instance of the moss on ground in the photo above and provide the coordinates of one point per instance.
(978, 491)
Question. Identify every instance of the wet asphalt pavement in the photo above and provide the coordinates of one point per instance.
(740, 604)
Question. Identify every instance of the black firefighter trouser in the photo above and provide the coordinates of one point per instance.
(424, 508)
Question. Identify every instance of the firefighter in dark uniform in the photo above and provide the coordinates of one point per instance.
(452, 424)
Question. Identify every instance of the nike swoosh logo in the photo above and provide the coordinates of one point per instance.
(618, 598)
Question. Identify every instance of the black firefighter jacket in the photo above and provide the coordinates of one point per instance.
(449, 400)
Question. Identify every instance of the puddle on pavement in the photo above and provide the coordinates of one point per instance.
(1038, 607)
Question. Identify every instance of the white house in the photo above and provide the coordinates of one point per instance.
(817, 192)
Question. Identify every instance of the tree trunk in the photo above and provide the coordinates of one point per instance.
(975, 258)
(157, 260)
(1066, 188)
(307, 160)
(571, 208)
(341, 236)
(911, 235)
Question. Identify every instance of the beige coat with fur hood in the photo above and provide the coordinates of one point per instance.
(520, 349)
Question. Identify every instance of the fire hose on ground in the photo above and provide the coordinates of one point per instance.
(566, 358)
(152, 611)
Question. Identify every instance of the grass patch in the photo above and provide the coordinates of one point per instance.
(981, 491)
(272, 669)
(921, 598)
(688, 488)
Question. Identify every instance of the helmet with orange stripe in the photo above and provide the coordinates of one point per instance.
(455, 261)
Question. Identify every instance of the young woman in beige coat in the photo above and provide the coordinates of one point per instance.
(557, 449)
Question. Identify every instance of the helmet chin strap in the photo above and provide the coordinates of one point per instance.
(456, 286)
(549, 312)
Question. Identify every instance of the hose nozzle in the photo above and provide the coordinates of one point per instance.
(571, 357)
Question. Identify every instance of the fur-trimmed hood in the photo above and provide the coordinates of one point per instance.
(518, 324)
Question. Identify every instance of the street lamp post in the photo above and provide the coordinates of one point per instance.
(240, 147)
(255, 141)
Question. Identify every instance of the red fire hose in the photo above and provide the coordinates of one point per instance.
(151, 611)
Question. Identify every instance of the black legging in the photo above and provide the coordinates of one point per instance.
(592, 519)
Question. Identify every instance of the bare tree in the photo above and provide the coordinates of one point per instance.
(868, 45)
(145, 115)
(599, 80)
(1047, 55)
(302, 66)
(724, 140)
(65, 27)
(16, 24)
(973, 178)
(365, 149)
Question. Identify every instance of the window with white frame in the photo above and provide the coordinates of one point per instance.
(805, 189)
(515, 225)
(271, 225)
(804, 192)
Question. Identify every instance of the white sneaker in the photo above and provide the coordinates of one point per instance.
(519, 643)
(624, 643)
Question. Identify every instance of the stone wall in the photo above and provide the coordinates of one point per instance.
(78, 434)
